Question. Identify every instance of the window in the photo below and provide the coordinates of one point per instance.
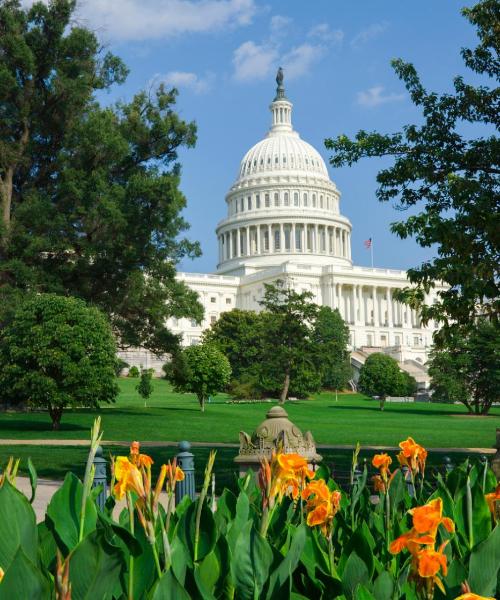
(277, 240)
(267, 200)
(236, 206)
(305, 199)
(416, 341)
(285, 199)
(213, 299)
(397, 340)
(249, 202)
(276, 200)
(321, 201)
(314, 200)
(298, 238)
(369, 339)
(257, 201)
(193, 323)
(194, 341)
(175, 321)
(228, 300)
(296, 199)
(266, 240)
(383, 340)
(284, 160)
(276, 160)
(242, 205)
(213, 318)
(268, 160)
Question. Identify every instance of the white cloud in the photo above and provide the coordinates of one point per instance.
(279, 23)
(187, 80)
(254, 61)
(324, 33)
(375, 96)
(300, 59)
(370, 33)
(135, 20)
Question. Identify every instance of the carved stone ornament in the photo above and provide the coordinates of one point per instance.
(275, 432)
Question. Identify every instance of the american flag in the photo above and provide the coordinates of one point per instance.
(368, 243)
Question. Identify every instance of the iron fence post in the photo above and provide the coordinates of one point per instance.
(100, 477)
(185, 460)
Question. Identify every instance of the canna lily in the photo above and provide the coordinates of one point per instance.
(173, 474)
(492, 499)
(138, 459)
(382, 462)
(427, 518)
(471, 596)
(294, 463)
(2, 573)
(322, 505)
(128, 478)
(412, 455)
(430, 562)
(378, 484)
(410, 541)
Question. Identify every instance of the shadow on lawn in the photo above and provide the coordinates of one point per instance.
(29, 425)
(391, 408)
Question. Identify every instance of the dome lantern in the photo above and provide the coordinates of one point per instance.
(281, 109)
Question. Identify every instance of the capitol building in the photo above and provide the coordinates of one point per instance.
(283, 221)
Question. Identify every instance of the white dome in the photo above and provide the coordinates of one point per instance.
(280, 152)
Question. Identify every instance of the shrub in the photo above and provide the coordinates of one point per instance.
(121, 365)
(133, 372)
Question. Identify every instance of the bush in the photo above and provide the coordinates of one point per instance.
(247, 388)
(133, 372)
(121, 365)
(57, 352)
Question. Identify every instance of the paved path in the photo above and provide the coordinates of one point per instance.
(167, 444)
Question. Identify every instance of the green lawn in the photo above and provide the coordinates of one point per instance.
(171, 416)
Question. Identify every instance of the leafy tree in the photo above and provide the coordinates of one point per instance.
(145, 385)
(380, 376)
(286, 337)
(467, 367)
(90, 199)
(330, 336)
(236, 333)
(408, 385)
(449, 178)
(57, 352)
(202, 370)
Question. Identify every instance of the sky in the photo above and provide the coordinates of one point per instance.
(222, 55)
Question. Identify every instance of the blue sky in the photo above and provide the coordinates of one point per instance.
(223, 54)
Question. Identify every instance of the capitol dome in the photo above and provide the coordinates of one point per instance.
(283, 205)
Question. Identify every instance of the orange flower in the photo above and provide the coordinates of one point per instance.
(430, 562)
(412, 455)
(319, 515)
(294, 463)
(471, 596)
(2, 573)
(382, 462)
(427, 518)
(378, 484)
(492, 499)
(139, 460)
(135, 447)
(128, 478)
(322, 505)
(318, 488)
(410, 541)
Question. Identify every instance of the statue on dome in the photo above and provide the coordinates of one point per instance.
(279, 77)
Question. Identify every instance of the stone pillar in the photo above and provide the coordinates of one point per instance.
(303, 237)
(282, 238)
(315, 246)
(257, 241)
(375, 307)
(388, 297)
(270, 235)
(362, 311)
(334, 241)
(247, 249)
(341, 306)
(292, 239)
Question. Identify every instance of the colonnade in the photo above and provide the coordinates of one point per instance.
(361, 304)
(276, 238)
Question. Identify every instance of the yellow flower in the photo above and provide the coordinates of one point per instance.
(412, 455)
(430, 562)
(427, 518)
(128, 478)
(2, 573)
(492, 499)
(471, 596)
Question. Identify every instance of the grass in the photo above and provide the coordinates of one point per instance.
(173, 417)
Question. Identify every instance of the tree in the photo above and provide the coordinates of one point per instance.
(57, 352)
(449, 179)
(380, 376)
(89, 195)
(467, 367)
(330, 337)
(286, 338)
(145, 385)
(202, 370)
(237, 333)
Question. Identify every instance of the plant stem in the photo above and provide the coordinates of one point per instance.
(157, 560)
(130, 507)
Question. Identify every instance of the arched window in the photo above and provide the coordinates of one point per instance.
(305, 199)
(277, 239)
(276, 199)
(321, 201)
(285, 199)
(266, 240)
(267, 201)
(314, 200)
(249, 202)
(257, 201)
(295, 198)
(242, 201)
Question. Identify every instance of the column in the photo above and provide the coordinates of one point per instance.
(375, 307)
(349, 246)
(269, 233)
(248, 241)
(282, 238)
(341, 306)
(315, 245)
(257, 241)
(388, 299)
(334, 241)
(303, 237)
(362, 312)
(292, 240)
(238, 242)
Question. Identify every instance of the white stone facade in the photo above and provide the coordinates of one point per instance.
(283, 222)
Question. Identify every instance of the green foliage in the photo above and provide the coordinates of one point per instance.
(202, 370)
(57, 352)
(133, 372)
(231, 558)
(121, 365)
(89, 194)
(466, 367)
(448, 178)
(145, 386)
(380, 376)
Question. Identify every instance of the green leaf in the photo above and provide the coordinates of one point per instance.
(47, 547)
(355, 573)
(63, 513)
(17, 526)
(484, 564)
(481, 516)
(206, 575)
(96, 568)
(242, 512)
(288, 565)
(363, 593)
(33, 479)
(251, 562)
(383, 588)
(208, 530)
(113, 531)
(180, 559)
(168, 588)
(313, 556)
(397, 489)
(361, 546)
(23, 580)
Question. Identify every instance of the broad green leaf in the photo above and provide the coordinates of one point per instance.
(313, 556)
(383, 588)
(481, 516)
(33, 479)
(63, 513)
(17, 526)
(206, 575)
(180, 559)
(208, 530)
(361, 546)
(251, 562)
(96, 568)
(47, 547)
(484, 565)
(168, 588)
(397, 489)
(242, 513)
(289, 563)
(23, 580)
(355, 573)
(115, 533)
(363, 593)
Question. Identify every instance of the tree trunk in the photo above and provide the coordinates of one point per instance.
(6, 197)
(55, 414)
(382, 402)
(201, 400)
(286, 385)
